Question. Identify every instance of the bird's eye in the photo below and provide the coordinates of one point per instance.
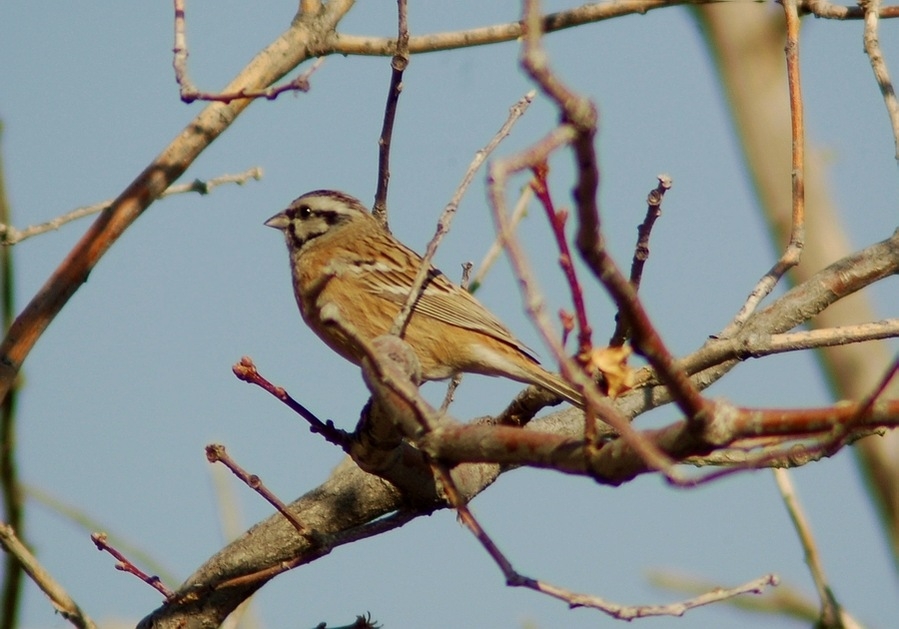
(304, 211)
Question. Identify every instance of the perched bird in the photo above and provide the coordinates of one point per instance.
(347, 268)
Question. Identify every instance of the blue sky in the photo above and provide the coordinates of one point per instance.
(133, 378)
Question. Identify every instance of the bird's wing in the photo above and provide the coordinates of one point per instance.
(444, 301)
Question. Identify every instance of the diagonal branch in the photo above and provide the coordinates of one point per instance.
(281, 56)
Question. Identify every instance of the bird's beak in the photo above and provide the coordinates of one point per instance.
(278, 221)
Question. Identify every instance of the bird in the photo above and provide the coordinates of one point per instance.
(347, 267)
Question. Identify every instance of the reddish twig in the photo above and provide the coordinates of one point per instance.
(641, 252)
(581, 115)
(216, 453)
(245, 370)
(557, 220)
(869, 402)
(125, 565)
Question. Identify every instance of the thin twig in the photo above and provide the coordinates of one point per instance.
(496, 248)
(189, 91)
(879, 65)
(571, 371)
(641, 252)
(299, 84)
(574, 599)
(557, 220)
(581, 116)
(880, 388)
(59, 598)
(125, 565)
(398, 65)
(746, 346)
(446, 217)
(784, 602)
(822, 8)
(830, 609)
(793, 251)
(9, 235)
(245, 370)
(216, 453)
(456, 380)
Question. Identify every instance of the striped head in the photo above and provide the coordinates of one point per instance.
(316, 214)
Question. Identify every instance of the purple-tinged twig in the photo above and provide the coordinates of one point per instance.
(245, 370)
(579, 115)
(557, 220)
(216, 453)
(125, 565)
(398, 66)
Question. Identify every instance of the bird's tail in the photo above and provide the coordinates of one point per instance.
(555, 384)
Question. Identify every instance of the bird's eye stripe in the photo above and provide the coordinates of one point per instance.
(302, 212)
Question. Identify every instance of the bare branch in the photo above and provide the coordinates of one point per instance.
(879, 65)
(446, 217)
(9, 235)
(496, 248)
(398, 66)
(280, 57)
(510, 31)
(125, 565)
(190, 93)
(793, 251)
(830, 609)
(245, 370)
(59, 598)
(216, 453)
(641, 251)
(822, 8)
